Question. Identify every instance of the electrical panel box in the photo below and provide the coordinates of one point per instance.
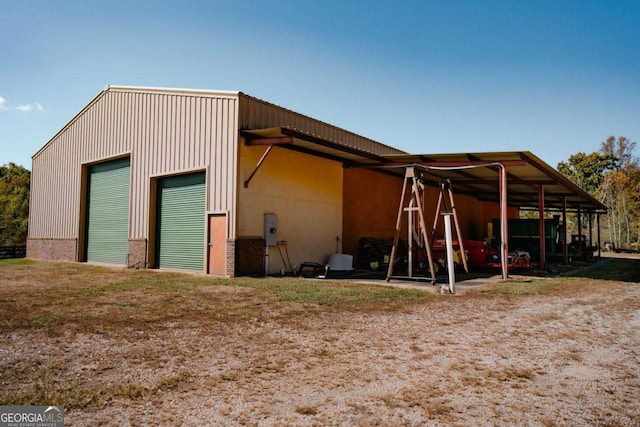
(270, 229)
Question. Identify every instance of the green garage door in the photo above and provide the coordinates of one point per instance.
(108, 212)
(181, 222)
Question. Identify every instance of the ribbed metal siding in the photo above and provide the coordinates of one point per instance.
(258, 114)
(181, 222)
(163, 132)
(55, 191)
(108, 212)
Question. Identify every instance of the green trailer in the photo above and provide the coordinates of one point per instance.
(524, 235)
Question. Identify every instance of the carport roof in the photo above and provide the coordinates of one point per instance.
(473, 174)
(526, 173)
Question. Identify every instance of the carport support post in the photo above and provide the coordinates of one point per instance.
(541, 227)
(580, 230)
(503, 222)
(590, 229)
(599, 242)
(565, 244)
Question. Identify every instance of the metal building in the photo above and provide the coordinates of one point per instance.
(160, 178)
(224, 183)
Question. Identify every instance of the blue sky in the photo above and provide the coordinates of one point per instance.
(550, 77)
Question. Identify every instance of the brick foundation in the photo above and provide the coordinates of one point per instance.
(247, 255)
(231, 258)
(138, 253)
(52, 249)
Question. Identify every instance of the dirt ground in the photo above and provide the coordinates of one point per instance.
(568, 357)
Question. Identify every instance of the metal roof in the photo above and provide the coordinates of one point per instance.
(526, 172)
(473, 174)
(173, 91)
(306, 142)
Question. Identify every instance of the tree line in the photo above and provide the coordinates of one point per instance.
(14, 204)
(611, 175)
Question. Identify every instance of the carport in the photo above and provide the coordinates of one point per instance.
(512, 179)
(518, 179)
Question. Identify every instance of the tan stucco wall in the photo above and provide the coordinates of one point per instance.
(304, 191)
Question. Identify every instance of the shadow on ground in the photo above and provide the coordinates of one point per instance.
(620, 269)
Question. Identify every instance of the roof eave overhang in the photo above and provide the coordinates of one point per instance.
(299, 140)
(526, 173)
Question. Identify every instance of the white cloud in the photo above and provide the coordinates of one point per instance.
(36, 106)
(30, 107)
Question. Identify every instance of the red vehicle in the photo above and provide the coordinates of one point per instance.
(477, 253)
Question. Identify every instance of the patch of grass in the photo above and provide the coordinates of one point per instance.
(595, 276)
(172, 382)
(391, 401)
(546, 317)
(575, 353)
(336, 294)
(95, 281)
(511, 373)
(518, 287)
(151, 281)
(76, 394)
(439, 408)
(16, 262)
(566, 334)
(100, 339)
(49, 277)
(56, 299)
(128, 391)
(307, 410)
(46, 319)
(229, 376)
